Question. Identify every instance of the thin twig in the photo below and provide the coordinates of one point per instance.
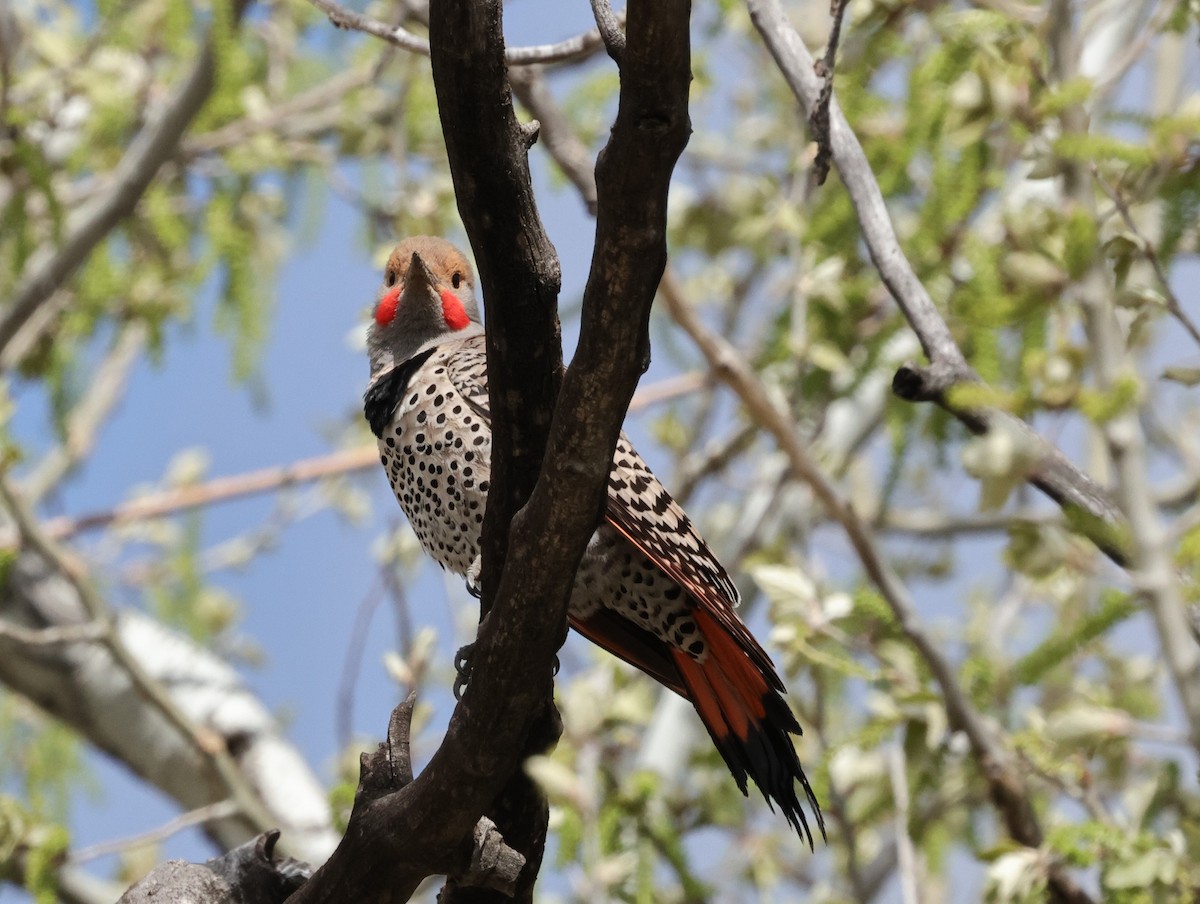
(352, 665)
(1119, 68)
(282, 115)
(943, 526)
(818, 120)
(1086, 796)
(105, 390)
(222, 809)
(906, 856)
(572, 49)
(52, 636)
(558, 139)
(1172, 300)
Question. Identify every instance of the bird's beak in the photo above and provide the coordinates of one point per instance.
(419, 278)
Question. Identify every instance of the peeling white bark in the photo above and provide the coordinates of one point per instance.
(81, 684)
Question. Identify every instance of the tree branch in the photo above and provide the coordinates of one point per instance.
(247, 801)
(282, 117)
(818, 119)
(609, 28)
(222, 809)
(1008, 791)
(572, 49)
(510, 683)
(1088, 507)
(1174, 306)
(277, 477)
(221, 489)
(188, 726)
(105, 389)
(250, 873)
(49, 268)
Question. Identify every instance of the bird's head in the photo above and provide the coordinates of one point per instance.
(427, 297)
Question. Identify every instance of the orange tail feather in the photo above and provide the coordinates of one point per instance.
(748, 720)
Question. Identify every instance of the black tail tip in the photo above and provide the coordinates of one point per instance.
(768, 757)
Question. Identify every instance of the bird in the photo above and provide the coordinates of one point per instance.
(648, 589)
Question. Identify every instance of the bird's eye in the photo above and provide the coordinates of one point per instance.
(391, 278)
(456, 279)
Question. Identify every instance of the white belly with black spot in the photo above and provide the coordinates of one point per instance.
(437, 454)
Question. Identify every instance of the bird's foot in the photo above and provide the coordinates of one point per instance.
(462, 669)
(462, 663)
(473, 574)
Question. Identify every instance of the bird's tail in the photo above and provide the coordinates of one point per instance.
(748, 719)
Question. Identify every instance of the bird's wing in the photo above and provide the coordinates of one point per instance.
(642, 510)
(467, 370)
(620, 636)
(640, 507)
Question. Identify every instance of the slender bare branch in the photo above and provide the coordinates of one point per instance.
(282, 117)
(54, 635)
(1147, 248)
(575, 48)
(105, 390)
(906, 855)
(818, 119)
(352, 663)
(220, 490)
(198, 816)
(941, 525)
(1133, 50)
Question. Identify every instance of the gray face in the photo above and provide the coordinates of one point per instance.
(428, 295)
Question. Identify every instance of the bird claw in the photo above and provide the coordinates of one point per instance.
(473, 573)
(462, 669)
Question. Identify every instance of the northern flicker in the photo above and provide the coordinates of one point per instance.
(648, 589)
